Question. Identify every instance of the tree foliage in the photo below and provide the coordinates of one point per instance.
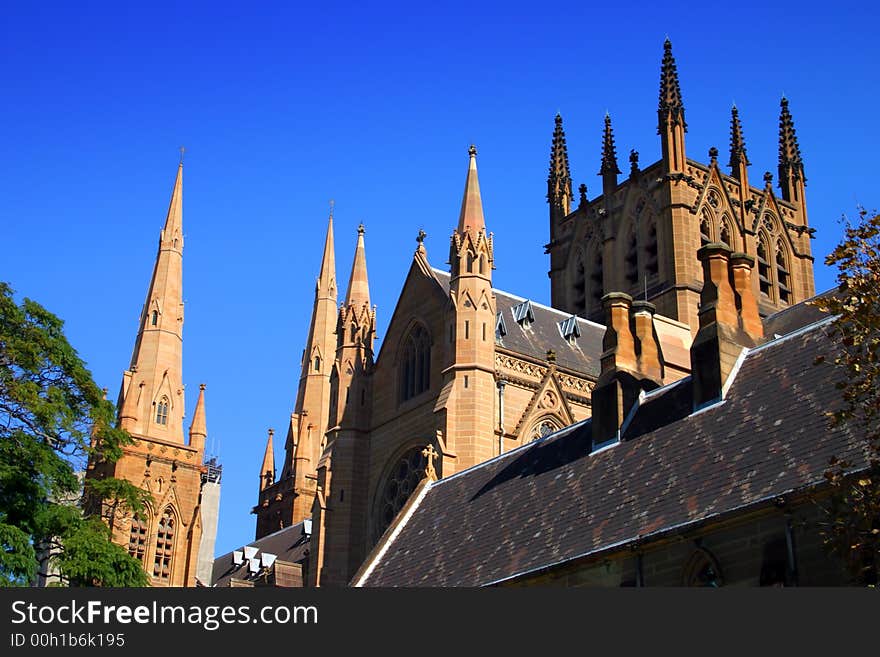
(54, 423)
(852, 528)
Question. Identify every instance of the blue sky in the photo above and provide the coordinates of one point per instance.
(286, 106)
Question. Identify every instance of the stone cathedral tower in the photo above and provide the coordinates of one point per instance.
(165, 537)
(641, 235)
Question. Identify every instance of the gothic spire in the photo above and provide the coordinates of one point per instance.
(559, 179)
(609, 168)
(327, 278)
(267, 471)
(471, 216)
(738, 155)
(156, 369)
(198, 430)
(358, 286)
(671, 105)
(791, 166)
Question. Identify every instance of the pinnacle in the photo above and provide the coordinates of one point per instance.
(471, 216)
(671, 105)
(737, 142)
(609, 152)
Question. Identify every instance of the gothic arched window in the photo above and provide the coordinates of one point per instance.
(401, 481)
(631, 261)
(162, 411)
(765, 281)
(651, 262)
(470, 262)
(543, 428)
(783, 277)
(415, 363)
(702, 569)
(705, 229)
(137, 538)
(597, 279)
(724, 233)
(579, 284)
(154, 319)
(164, 545)
(317, 363)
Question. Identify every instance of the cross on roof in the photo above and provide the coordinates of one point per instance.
(430, 454)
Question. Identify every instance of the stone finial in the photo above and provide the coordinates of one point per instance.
(583, 195)
(633, 162)
(768, 178)
(551, 356)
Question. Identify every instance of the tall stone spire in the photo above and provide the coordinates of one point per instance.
(559, 179)
(471, 216)
(358, 285)
(791, 166)
(609, 168)
(671, 124)
(267, 470)
(738, 158)
(326, 285)
(198, 430)
(155, 373)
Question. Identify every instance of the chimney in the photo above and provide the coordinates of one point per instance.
(741, 265)
(721, 336)
(624, 375)
(650, 355)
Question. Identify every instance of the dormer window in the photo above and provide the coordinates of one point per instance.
(500, 326)
(523, 313)
(569, 329)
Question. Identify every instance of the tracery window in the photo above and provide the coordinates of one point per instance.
(705, 229)
(724, 233)
(544, 428)
(402, 481)
(137, 538)
(764, 281)
(415, 363)
(597, 280)
(702, 569)
(162, 411)
(164, 546)
(631, 261)
(651, 264)
(580, 285)
(783, 279)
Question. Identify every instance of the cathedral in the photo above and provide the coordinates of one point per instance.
(493, 440)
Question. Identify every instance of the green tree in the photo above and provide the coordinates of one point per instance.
(851, 529)
(54, 423)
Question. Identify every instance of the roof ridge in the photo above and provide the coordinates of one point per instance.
(519, 298)
(556, 434)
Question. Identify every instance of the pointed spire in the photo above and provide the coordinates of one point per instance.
(559, 179)
(358, 286)
(671, 105)
(327, 277)
(154, 377)
(198, 430)
(471, 216)
(738, 155)
(791, 167)
(174, 218)
(609, 168)
(267, 471)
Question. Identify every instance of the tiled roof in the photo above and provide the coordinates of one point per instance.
(535, 338)
(794, 317)
(289, 544)
(553, 500)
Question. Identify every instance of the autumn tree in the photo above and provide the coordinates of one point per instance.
(851, 529)
(54, 422)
